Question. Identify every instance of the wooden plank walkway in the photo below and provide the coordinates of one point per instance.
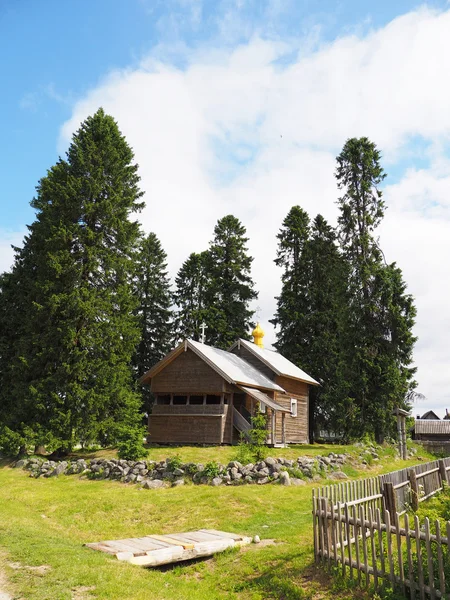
(155, 550)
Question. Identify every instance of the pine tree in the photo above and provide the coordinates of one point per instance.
(328, 298)
(380, 316)
(310, 309)
(73, 357)
(294, 304)
(152, 288)
(192, 282)
(231, 288)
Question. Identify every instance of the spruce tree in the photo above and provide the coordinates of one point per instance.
(192, 282)
(231, 288)
(380, 316)
(293, 304)
(152, 289)
(73, 357)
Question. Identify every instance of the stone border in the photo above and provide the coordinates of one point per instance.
(172, 472)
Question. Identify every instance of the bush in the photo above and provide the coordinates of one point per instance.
(10, 442)
(211, 470)
(254, 448)
(174, 463)
(130, 444)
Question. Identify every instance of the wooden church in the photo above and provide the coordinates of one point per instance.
(204, 395)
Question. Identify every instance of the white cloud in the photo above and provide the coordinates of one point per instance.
(192, 131)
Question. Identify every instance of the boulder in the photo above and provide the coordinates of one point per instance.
(298, 482)
(153, 484)
(216, 481)
(338, 475)
(284, 478)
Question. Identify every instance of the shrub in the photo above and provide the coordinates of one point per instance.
(10, 442)
(130, 444)
(174, 463)
(211, 470)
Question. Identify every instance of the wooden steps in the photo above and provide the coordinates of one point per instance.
(155, 550)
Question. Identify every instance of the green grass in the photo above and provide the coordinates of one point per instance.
(47, 521)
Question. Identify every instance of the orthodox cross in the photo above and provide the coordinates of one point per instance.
(258, 313)
(203, 336)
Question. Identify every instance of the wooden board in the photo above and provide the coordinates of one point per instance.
(155, 550)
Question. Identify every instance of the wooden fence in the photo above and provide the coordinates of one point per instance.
(407, 488)
(356, 529)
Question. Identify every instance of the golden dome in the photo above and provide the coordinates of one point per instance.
(258, 334)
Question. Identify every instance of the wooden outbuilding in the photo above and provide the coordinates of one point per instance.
(432, 430)
(204, 395)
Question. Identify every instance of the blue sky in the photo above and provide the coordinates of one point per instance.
(242, 106)
(53, 52)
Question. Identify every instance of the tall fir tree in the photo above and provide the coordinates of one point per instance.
(379, 339)
(72, 361)
(328, 300)
(231, 288)
(309, 315)
(293, 304)
(191, 285)
(152, 289)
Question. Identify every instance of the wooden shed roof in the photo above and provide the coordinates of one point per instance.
(232, 368)
(264, 398)
(277, 362)
(428, 426)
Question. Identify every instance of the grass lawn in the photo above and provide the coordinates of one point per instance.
(45, 522)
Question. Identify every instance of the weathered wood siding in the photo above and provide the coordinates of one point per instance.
(179, 429)
(187, 374)
(246, 355)
(297, 430)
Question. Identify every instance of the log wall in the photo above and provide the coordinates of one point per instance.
(297, 430)
(187, 374)
(179, 429)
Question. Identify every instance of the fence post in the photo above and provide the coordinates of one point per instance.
(443, 472)
(414, 489)
(390, 500)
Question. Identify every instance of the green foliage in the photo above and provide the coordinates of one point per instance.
(175, 462)
(378, 339)
(253, 447)
(130, 443)
(231, 288)
(215, 287)
(310, 310)
(68, 375)
(10, 442)
(212, 469)
(154, 298)
(191, 282)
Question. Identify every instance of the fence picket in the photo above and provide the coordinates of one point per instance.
(440, 559)
(341, 538)
(356, 537)
(380, 542)
(349, 540)
(362, 517)
(373, 549)
(419, 557)
(412, 587)
(429, 559)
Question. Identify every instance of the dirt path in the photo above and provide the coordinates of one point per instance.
(3, 594)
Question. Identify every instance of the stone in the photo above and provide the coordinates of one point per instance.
(298, 482)
(265, 471)
(216, 481)
(20, 464)
(178, 482)
(270, 462)
(338, 475)
(152, 484)
(234, 464)
(256, 539)
(178, 472)
(284, 478)
(263, 481)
